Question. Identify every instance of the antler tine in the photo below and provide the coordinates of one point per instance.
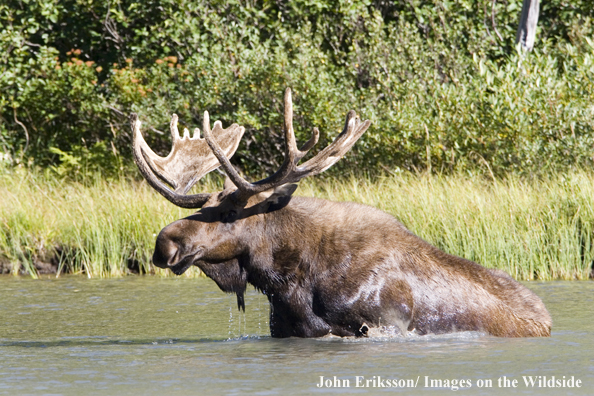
(240, 182)
(173, 128)
(290, 143)
(308, 145)
(289, 172)
(140, 150)
(292, 156)
(353, 130)
(291, 151)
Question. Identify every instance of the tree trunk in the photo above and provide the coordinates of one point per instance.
(528, 21)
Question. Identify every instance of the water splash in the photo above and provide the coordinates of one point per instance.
(236, 328)
(393, 334)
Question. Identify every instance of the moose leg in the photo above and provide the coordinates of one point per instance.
(386, 305)
(287, 321)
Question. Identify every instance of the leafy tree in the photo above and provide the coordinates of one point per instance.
(441, 80)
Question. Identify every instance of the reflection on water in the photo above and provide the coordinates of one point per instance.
(143, 335)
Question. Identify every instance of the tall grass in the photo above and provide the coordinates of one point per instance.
(98, 228)
(539, 229)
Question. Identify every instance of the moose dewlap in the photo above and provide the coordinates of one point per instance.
(326, 267)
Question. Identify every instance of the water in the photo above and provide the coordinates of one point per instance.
(149, 336)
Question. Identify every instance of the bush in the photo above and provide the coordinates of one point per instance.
(441, 80)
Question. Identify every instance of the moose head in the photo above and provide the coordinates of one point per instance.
(229, 214)
(326, 267)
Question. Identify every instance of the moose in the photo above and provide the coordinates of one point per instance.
(327, 268)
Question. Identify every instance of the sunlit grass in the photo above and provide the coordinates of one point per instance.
(531, 229)
(93, 228)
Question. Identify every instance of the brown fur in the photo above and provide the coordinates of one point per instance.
(341, 268)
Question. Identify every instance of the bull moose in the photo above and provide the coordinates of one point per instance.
(327, 268)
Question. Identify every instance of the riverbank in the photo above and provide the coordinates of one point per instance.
(534, 230)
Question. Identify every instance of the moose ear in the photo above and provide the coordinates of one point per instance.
(273, 195)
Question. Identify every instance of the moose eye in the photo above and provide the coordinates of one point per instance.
(229, 217)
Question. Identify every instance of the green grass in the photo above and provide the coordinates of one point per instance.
(539, 229)
(92, 228)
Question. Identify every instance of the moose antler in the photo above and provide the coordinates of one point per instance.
(189, 160)
(192, 157)
(289, 172)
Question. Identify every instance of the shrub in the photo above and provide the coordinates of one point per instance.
(441, 80)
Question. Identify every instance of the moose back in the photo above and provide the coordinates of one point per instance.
(326, 267)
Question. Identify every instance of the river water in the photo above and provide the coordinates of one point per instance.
(177, 336)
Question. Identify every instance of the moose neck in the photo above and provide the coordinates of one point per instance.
(279, 243)
(288, 245)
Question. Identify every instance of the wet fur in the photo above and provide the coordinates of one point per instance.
(342, 268)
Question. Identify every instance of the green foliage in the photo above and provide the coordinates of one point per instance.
(441, 80)
(82, 163)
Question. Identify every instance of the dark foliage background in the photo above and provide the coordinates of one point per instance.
(441, 80)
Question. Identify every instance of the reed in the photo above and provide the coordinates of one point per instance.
(532, 229)
(99, 228)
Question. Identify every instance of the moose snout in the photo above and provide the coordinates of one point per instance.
(165, 252)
